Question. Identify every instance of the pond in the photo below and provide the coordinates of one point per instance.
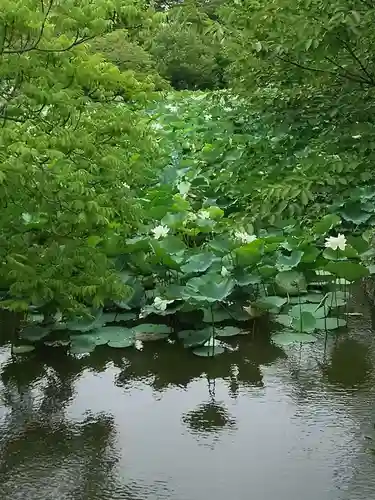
(259, 423)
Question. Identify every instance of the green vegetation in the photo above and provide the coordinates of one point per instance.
(248, 194)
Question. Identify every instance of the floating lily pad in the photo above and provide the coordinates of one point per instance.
(305, 322)
(227, 331)
(121, 343)
(282, 319)
(151, 336)
(208, 352)
(33, 333)
(152, 329)
(22, 349)
(84, 324)
(288, 338)
(317, 312)
(330, 323)
(192, 338)
(272, 303)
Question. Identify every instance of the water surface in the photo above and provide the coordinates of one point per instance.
(160, 424)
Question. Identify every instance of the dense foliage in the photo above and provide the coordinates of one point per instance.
(189, 208)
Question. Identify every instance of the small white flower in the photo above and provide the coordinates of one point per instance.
(161, 304)
(160, 232)
(224, 272)
(208, 117)
(126, 185)
(138, 344)
(204, 214)
(245, 237)
(335, 242)
(183, 187)
(356, 136)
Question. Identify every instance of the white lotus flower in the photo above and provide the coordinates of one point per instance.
(336, 242)
(245, 237)
(224, 272)
(138, 345)
(204, 214)
(161, 304)
(160, 231)
(183, 187)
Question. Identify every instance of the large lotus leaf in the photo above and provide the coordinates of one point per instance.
(208, 351)
(244, 277)
(221, 245)
(106, 334)
(317, 312)
(228, 331)
(22, 349)
(151, 332)
(287, 262)
(330, 323)
(193, 338)
(283, 319)
(85, 324)
(327, 223)
(314, 298)
(128, 316)
(81, 344)
(198, 263)
(291, 282)
(305, 322)
(290, 337)
(249, 254)
(170, 245)
(152, 328)
(121, 343)
(135, 293)
(229, 313)
(337, 298)
(350, 271)
(208, 288)
(33, 333)
(353, 212)
(272, 303)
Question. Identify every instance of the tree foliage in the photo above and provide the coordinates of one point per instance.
(69, 153)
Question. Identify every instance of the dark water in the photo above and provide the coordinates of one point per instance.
(161, 424)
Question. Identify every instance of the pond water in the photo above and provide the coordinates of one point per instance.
(260, 423)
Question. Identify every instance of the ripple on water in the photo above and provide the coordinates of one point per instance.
(163, 424)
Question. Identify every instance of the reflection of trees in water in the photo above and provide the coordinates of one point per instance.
(40, 445)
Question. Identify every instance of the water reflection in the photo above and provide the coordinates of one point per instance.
(130, 425)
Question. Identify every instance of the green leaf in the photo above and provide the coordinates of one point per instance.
(198, 263)
(33, 333)
(192, 338)
(152, 329)
(352, 212)
(272, 303)
(282, 319)
(305, 322)
(81, 345)
(350, 271)
(84, 324)
(208, 351)
(309, 297)
(317, 312)
(227, 331)
(330, 323)
(121, 343)
(327, 223)
(289, 338)
(208, 288)
(337, 298)
(287, 262)
(291, 282)
(22, 349)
